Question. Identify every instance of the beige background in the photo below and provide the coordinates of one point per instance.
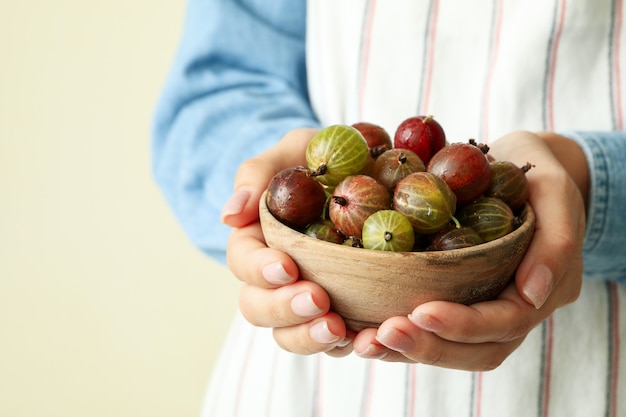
(105, 308)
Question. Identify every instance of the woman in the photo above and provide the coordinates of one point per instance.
(539, 81)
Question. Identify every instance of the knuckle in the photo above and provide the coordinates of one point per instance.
(515, 332)
(281, 342)
(497, 358)
(433, 357)
(493, 362)
(247, 314)
(252, 168)
(291, 340)
(278, 315)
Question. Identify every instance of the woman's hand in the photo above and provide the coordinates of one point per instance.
(271, 295)
(483, 335)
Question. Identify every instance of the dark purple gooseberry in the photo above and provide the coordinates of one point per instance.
(295, 198)
(353, 241)
(324, 229)
(453, 237)
(509, 183)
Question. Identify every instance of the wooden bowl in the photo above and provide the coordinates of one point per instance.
(367, 286)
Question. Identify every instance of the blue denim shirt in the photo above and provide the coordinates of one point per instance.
(238, 84)
(604, 248)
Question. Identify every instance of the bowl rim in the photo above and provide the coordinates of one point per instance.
(266, 219)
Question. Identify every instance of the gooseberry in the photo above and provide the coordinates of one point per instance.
(464, 167)
(490, 217)
(354, 200)
(324, 229)
(294, 197)
(336, 152)
(453, 237)
(509, 183)
(426, 200)
(395, 164)
(420, 134)
(388, 230)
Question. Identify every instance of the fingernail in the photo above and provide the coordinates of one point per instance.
(345, 342)
(304, 306)
(235, 204)
(539, 285)
(275, 274)
(373, 352)
(425, 321)
(322, 334)
(396, 340)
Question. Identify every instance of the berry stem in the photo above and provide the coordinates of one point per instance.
(527, 167)
(321, 170)
(340, 200)
(456, 222)
(326, 204)
(378, 150)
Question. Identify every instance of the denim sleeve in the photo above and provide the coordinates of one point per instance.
(604, 251)
(237, 85)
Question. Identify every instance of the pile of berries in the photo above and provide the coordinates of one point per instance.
(414, 192)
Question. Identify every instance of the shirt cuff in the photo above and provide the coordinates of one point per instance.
(604, 250)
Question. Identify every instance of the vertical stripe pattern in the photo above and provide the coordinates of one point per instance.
(613, 349)
(367, 389)
(428, 57)
(366, 32)
(245, 372)
(553, 47)
(615, 83)
(256, 378)
(547, 334)
(410, 384)
(476, 394)
(316, 410)
(494, 43)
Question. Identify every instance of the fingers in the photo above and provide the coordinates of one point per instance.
(556, 248)
(505, 319)
(367, 347)
(324, 334)
(252, 262)
(399, 340)
(284, 306)
(450, 335)
(401, 335)
(555, 252)
(272, 296)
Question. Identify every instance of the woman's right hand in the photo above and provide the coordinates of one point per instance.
(271, 294)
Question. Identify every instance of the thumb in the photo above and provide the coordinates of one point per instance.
(555, 252)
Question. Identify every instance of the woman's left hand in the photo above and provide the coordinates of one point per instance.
(480, 337)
